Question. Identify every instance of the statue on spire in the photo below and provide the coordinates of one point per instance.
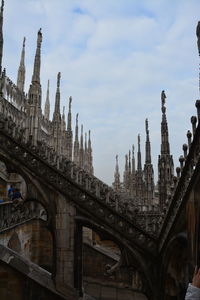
(2, 6)
(163, 97)
(198, 36)
(39, 40)
(133, 149)
(147, 126)
(58, 79)
(138, 140)
(1, 34)
(70, 102)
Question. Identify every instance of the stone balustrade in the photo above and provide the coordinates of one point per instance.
(15, 214)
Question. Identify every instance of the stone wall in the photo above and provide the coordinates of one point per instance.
(15, 286)
(33, 241)
(103, 286)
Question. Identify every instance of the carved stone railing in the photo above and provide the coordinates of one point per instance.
(190, 167)
(12, 215)
(98, 201)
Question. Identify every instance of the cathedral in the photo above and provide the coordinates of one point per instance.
(68, 235)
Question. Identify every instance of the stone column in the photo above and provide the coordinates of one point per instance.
(64, 244)
(78, 259)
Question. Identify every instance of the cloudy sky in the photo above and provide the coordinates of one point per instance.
(115, 57)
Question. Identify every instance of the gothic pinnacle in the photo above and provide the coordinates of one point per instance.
(89, 140)
(147, 128)
(76, 143)
(165, 149)
(21, 70)
(69, 120)
(2, 6)
(76, 129)
(58, 80)
(63, 120)
(81, 142)
(133, 160)
(163, 97)
(70, 103)
(37, 62)
(139, 155)
(198, 36)
(148, 146)
(1, 34)
(117, 176)
(117, 166)
(47, 104)
(57, 102)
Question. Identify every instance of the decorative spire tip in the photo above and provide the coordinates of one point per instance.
(58, 79)
(198, 36)
(24, 41)
(2, 5)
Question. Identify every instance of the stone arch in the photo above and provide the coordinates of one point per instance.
(175, 268)
(132, 253)
(14, 243)
(35, 190)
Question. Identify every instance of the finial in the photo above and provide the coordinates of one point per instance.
(82, 129)
(89, 134)
(198, 36)
(48, 84)
(63, 110)
(116, 157)
(163, 97)
(58, 79)
(133, 149)
(138, 139)
(39, 41)
(2, 5)
(24, 41)
(147, 126)
(70, 102)
(76, 118)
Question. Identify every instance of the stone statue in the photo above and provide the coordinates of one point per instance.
(39, 40)
(70, 102)
(198, 36)
(58, 79)
(147, 126)
(163, 97)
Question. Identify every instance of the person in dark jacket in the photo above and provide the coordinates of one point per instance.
(193, 291)
(17, 196)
